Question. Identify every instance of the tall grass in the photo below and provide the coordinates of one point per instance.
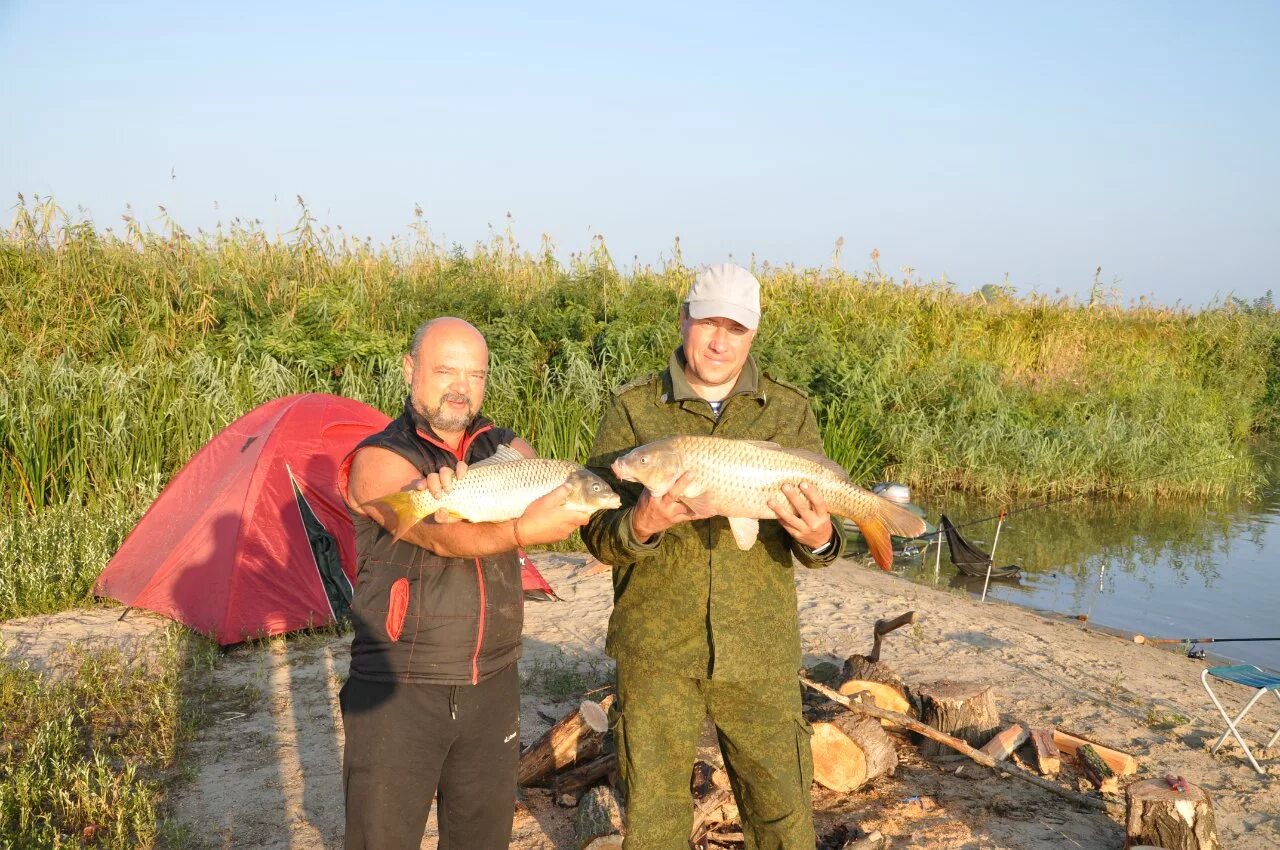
(122, 353)
(83, 754)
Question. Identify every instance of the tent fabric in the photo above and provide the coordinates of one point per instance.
(242, 542)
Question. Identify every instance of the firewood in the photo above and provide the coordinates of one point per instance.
(1048, 759)
(954, 743)
(576, 737)
(966, 710)
(716, 808)
(1096, 770)
(1122, 763)
(886, 688)
(598, 822)
(573, 782)
(1164, 817)
(849, 750)
(1002, 745)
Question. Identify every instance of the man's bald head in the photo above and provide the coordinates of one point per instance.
(445, 327)
(446, 370)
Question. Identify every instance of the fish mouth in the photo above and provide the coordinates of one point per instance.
(620, 469)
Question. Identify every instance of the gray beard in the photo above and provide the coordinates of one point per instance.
(443, 422)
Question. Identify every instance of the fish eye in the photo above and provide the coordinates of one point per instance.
(595, 488)
(644, 459)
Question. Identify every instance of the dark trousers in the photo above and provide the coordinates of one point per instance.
(407, 743)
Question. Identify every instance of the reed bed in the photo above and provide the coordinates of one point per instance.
(123, 353)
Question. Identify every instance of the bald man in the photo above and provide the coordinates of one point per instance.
(432, 705)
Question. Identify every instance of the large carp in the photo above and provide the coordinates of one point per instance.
(498, 488)
(737, 478)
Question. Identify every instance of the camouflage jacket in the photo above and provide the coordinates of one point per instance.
(689, 601)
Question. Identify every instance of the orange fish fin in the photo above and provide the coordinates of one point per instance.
(395, 512)
(900, 521)
(877, 537)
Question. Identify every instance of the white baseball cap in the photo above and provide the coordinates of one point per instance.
(725, 291)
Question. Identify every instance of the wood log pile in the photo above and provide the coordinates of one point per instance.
(868, 714)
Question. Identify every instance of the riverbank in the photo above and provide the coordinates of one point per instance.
(264, 771)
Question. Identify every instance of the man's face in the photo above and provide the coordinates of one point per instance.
(447, 379)
(715, 348)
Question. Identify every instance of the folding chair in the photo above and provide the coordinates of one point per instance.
(1251, 677)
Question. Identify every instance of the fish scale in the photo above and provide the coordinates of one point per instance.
(499, 491)
(496, 489)
(738, 478)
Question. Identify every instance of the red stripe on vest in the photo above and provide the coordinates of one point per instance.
(397, 607)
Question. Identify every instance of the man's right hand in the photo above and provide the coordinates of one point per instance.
(655, 514)
(439, 484)
(547, 520)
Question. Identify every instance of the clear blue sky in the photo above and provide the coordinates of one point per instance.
(975, 140)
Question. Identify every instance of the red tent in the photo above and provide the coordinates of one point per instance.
(251, 538)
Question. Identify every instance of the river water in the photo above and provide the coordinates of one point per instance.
(1208, 569)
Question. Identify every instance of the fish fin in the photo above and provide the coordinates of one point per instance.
(701, 503)
(504, 454)
(899, 521)
(745, 531)
(877, 537)
(804, 454)
(397, 512)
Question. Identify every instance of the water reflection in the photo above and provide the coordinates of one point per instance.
(1175, 570)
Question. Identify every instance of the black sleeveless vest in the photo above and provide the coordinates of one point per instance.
(419, 617)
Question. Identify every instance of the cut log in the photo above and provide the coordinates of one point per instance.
(1096, 770)
(1122, 763)
(1163, 817)
(849, 750)
(956, 744)
(576, 737)
(966, 710)
(860, 673)
(573, 782)
(599, 820)
(1002, 745)
(1048, 758)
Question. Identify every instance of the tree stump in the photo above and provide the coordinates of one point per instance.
(1163, 817)
(598, 823)
(860, 673)
(849, 750)
(966, 710)
(576, 737)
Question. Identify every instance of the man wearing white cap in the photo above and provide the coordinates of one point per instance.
(700, 628)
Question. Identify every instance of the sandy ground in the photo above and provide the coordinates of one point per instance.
(266, 773)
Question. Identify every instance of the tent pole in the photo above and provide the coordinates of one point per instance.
(992, 562)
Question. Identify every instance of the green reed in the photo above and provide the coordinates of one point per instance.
(122, 353)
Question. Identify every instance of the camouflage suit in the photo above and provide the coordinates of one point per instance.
(700, 627)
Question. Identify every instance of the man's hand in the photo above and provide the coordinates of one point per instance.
(440, 483)
(804, 515)
(655, 514)
(547, 520)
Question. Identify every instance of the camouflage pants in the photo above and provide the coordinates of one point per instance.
(762, 734)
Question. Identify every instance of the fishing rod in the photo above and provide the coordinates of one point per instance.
(1005, 514)
(1143, 639)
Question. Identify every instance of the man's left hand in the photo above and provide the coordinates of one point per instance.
(804, 515)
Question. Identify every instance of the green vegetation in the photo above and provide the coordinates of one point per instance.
(83, 753)
(121, 354)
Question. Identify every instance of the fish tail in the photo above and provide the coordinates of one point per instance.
(877, 537)
(399, 512)
(878, 519)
